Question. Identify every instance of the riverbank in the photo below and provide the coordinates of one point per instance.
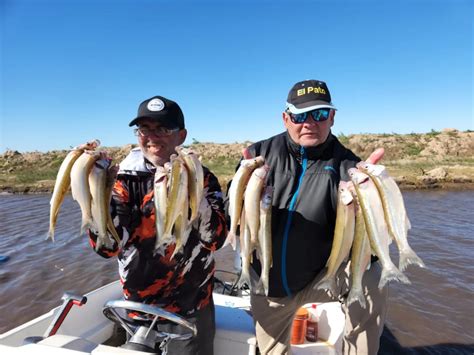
(434, 160)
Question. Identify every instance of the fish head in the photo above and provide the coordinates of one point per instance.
(363, 166)
(357, 176)
(344, 193)
(173, 157)
(262, 172)
(184, 151)
(161, 174)
(89, 145)
(93, 144)
(252, 163)
(267, 197)
(371, 169)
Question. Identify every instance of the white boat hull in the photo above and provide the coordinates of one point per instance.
(85, 329)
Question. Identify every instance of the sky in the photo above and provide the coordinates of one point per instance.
(73, 71)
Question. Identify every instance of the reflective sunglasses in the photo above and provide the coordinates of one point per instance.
(159, 131)
(319, 115)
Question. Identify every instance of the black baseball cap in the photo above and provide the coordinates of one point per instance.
(162, 110)
(308, 95)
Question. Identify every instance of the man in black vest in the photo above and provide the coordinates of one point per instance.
(307, 163)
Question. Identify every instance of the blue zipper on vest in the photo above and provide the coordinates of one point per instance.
(291, 209)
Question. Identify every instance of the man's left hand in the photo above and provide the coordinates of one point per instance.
(376, 156)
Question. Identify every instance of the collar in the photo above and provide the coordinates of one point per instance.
(135, 162)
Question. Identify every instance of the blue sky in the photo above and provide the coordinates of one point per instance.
(72, 70)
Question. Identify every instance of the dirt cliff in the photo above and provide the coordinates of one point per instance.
(438, 159)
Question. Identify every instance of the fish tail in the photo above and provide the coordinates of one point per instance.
(112, 230)
(262, 286)
(357, 329)
(86, 224)
(232, 240)
(356, 294)
(244, 279)
(392, 273)
(98, 244)
(50, 235)
(164, 240)
(409, 257)
(177, 249)
(159, 251)
(158, 243)
(327, 283)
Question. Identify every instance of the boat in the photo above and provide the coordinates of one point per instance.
(86, 324)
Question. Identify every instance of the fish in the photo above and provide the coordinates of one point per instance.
(182, 228)
(252, 197)
(109, 185)
(376, 227)
(195, 180)
(63, 182)
(177, 201)
(100, 201)
(160, 189)
(342, 240)
(236, 195)
(80, 188)
(265, 238)
(360, 258)
(395, 212)
(245, 252)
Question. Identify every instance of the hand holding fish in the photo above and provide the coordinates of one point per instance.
(179, 187)
(250, 207)
(376, 156)
(91, 176)
(373, 158)
(379, 217)
(63, 181)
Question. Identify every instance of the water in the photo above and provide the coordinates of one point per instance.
(433, 315)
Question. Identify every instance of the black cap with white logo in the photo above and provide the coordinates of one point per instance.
(308, 95)
(160, 109)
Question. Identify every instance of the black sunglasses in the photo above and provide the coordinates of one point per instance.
(319, 115)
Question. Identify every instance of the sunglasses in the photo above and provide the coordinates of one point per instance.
(319, 115)
(159, 131)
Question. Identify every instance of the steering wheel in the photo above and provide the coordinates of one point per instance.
(143, 334)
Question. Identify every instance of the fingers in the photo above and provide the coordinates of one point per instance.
(246, 154)
(376, 156)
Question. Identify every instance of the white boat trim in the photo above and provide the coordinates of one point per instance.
(235, 330)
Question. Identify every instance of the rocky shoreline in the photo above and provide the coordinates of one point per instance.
(434, 160)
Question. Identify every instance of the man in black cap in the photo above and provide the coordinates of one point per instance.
(183, 283)
(307, 163)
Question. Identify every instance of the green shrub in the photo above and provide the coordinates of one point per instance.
(343, 138)
(412, 149)
(433, 133)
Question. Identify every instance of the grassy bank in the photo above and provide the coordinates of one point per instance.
(432, 160)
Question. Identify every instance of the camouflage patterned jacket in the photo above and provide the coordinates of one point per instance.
(182, 284)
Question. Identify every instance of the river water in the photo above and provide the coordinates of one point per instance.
(433, 315)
